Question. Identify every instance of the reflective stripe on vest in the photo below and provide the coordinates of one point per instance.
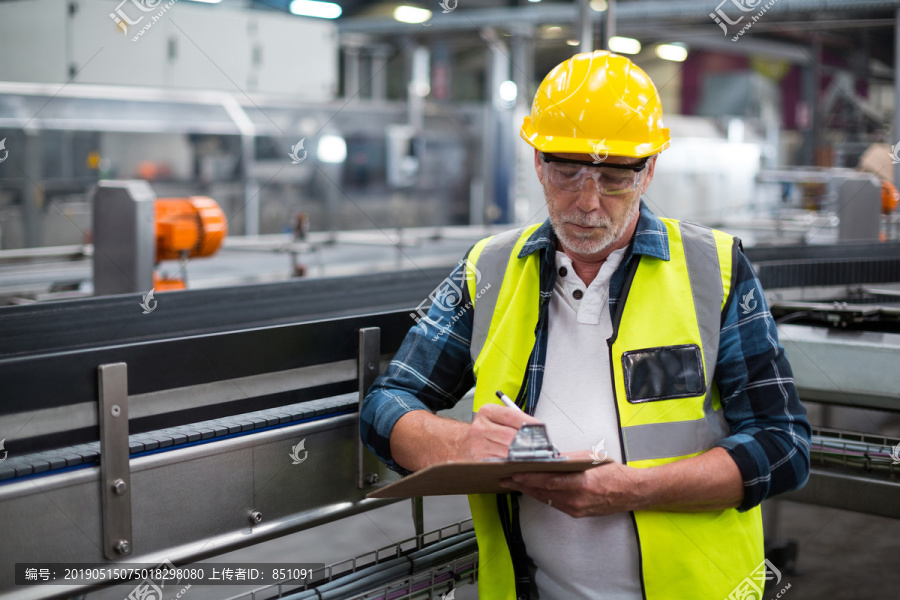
(491, 256)
(671, 309)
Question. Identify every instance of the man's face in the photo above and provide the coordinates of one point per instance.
(586, 221)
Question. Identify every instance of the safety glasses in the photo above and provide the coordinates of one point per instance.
(611, 179)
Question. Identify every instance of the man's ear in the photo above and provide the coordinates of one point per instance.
(539, 166)
(651, 169)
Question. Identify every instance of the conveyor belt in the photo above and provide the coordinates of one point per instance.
(210, 441)
(85, 455)
(781, 267)
(853, 471)
(93, 322)
(49, 399)
(860, 250)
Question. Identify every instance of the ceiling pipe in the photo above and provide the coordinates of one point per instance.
(669, 11)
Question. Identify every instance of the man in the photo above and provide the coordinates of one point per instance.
(644, 338)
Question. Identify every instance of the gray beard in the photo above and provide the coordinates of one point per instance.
(586, 244)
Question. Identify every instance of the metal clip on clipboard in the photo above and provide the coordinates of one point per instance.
(533, 443)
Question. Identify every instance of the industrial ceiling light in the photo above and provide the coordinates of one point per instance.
(331, 149)
(624, 45)
(411, 14)
(508, 92)
(316, 8)
(572, 42)
(599, 5)
(676, 52)
(553, 32)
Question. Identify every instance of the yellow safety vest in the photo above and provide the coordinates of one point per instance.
(667, 321)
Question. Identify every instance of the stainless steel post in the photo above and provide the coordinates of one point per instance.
(610, 21)
(896, 136)
(587, 26)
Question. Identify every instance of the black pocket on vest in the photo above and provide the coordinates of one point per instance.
(663, 373)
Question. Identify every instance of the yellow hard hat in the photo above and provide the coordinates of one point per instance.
(597, 102)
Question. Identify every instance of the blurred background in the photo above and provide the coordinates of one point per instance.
(407, 115)
(251, 164)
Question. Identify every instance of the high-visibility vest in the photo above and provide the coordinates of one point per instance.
(663, 354)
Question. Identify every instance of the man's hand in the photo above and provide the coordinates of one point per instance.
(492, 431)
(708, 481)
(602, 490)
(420, 438)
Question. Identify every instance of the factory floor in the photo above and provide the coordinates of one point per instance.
(841, 554)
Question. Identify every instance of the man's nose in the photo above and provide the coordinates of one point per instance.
(589, 195)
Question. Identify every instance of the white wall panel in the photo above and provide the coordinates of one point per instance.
(173, 44)
(104, 54)
(299, 57)
(33, 41)
(211, 48)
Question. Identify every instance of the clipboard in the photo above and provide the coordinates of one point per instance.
(529, 452)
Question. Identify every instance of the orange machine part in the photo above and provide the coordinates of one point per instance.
(164, 284)
(194, 227)
(889, 197)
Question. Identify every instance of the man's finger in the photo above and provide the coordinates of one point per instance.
(509, 483)
(535, 492)
(503, 415)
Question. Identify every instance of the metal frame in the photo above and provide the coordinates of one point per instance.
(190, 503)
(852, 471)
(115, 472)
(462, 570)
(836, 366)
(368, 368)
(150, 507)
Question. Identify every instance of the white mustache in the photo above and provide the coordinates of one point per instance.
(586, 221)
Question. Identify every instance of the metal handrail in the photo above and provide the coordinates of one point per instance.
(461, 570)
(855, 449)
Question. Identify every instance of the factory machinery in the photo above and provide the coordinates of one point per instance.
(228, 417)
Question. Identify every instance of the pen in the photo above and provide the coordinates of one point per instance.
(505, 400)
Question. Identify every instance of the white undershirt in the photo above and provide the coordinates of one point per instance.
(590, 557)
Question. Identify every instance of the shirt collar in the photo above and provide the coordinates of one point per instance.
(650, 237)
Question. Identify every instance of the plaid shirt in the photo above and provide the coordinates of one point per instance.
(770, 435)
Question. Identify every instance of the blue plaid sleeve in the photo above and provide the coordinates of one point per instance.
(770, 433)
(432, 369)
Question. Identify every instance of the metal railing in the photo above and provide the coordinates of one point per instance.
(447, 558)
(852, 449)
